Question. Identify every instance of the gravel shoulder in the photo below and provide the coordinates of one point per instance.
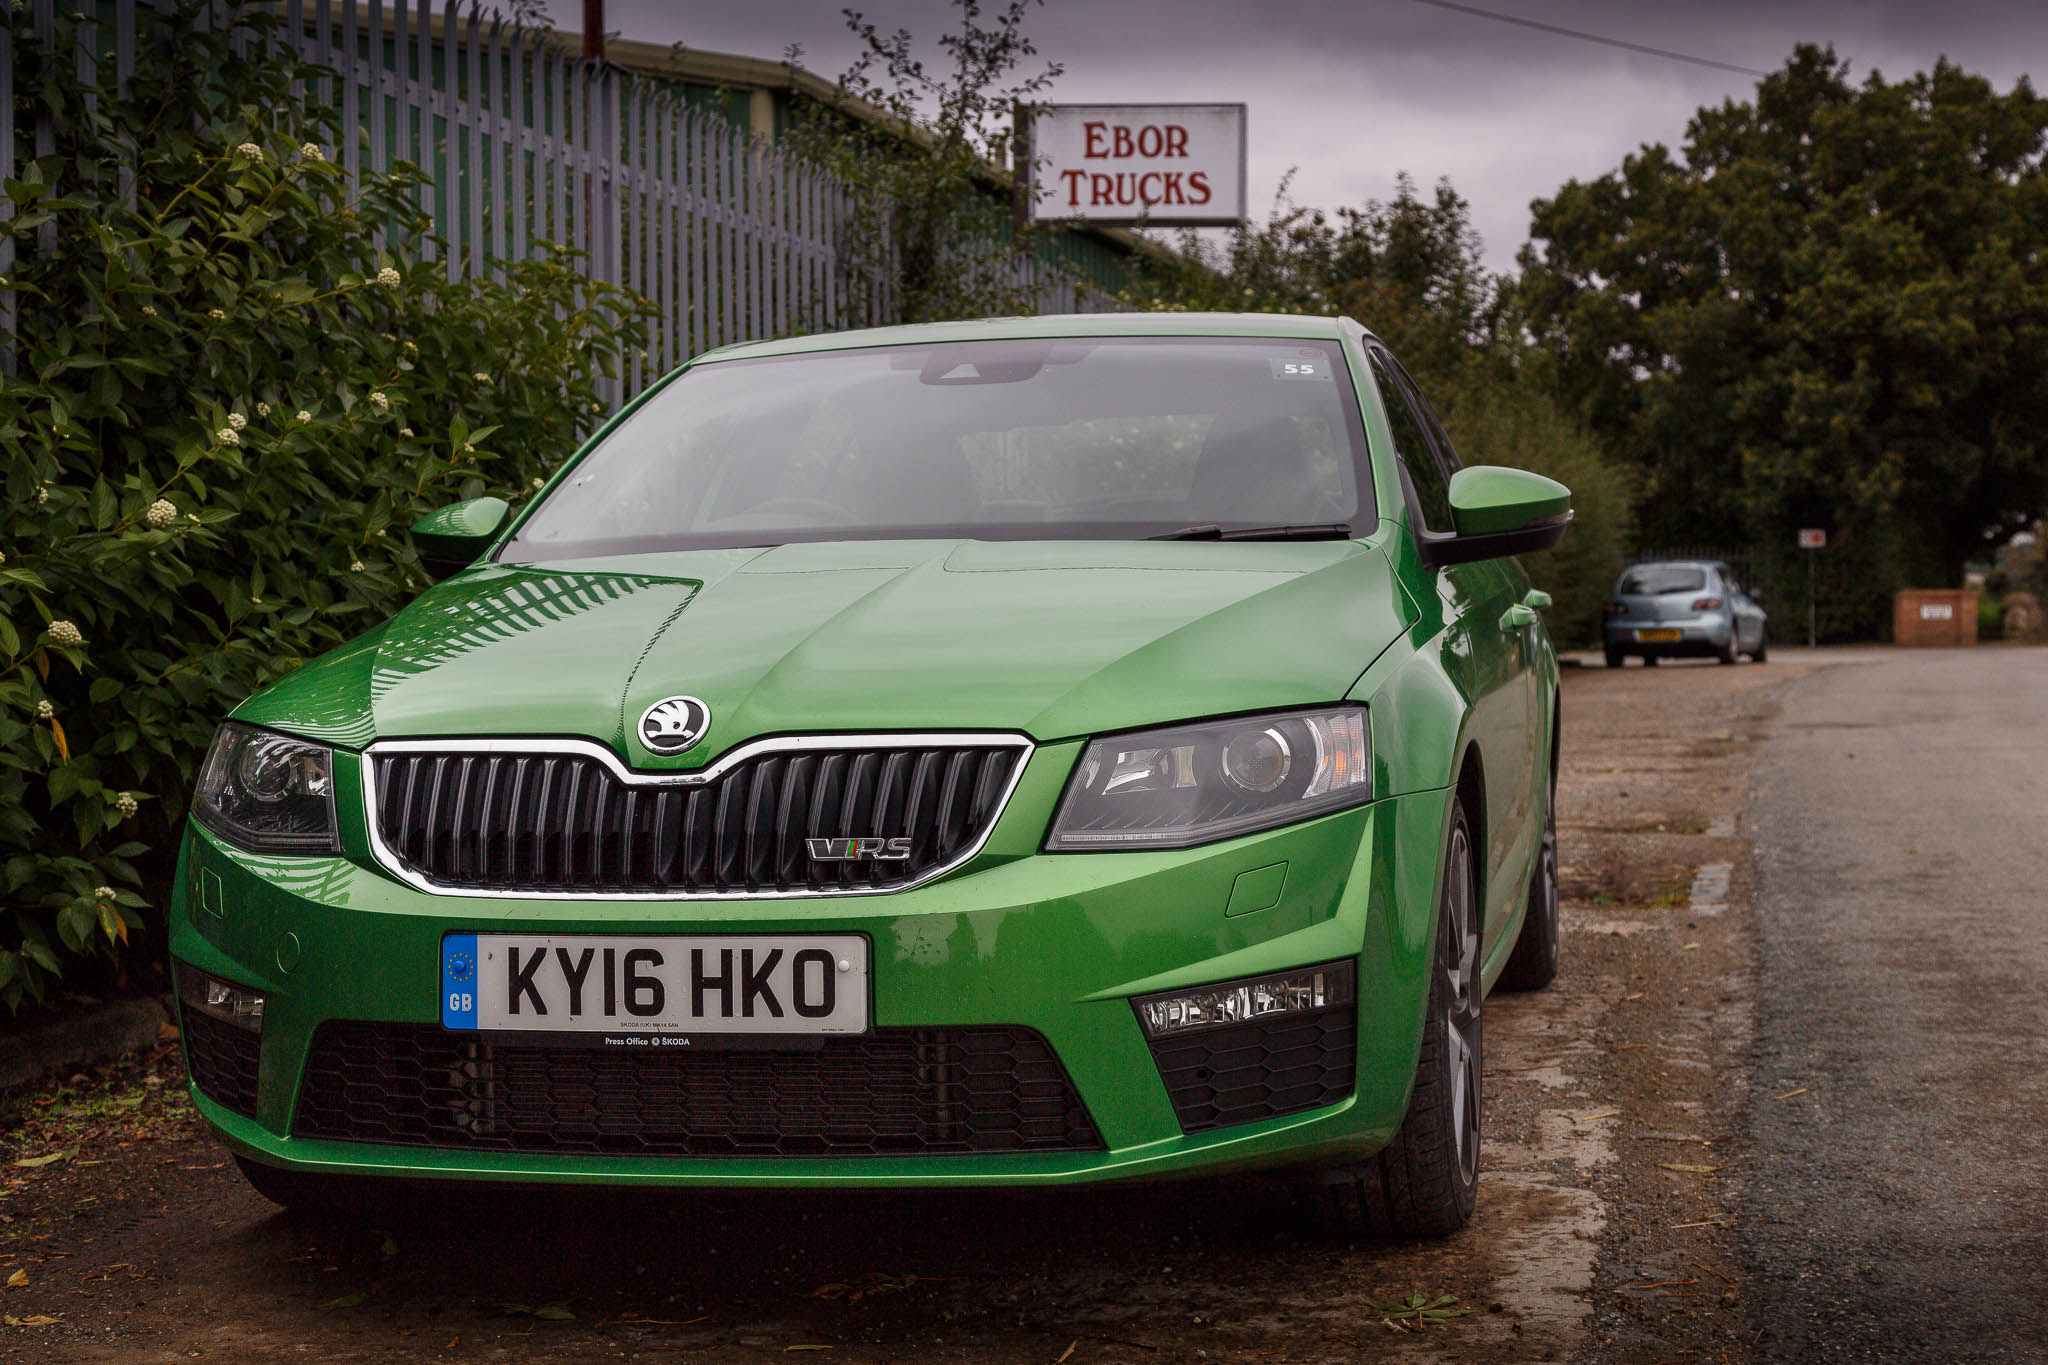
(1615, 1146)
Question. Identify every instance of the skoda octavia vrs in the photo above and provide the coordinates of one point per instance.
(1037, 751)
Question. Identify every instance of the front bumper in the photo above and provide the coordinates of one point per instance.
(1053, 943)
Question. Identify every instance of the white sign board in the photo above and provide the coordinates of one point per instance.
(1813, 540)
(1124, 164)
(1937, 611)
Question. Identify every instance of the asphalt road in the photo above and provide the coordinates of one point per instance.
(1898, 1210)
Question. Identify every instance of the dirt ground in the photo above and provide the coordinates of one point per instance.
(1613, 1112)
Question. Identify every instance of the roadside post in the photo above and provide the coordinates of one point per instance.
(1811, 540)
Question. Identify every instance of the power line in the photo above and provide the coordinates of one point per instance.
(1592, 37)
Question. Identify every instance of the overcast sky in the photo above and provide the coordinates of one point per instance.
(1353, 91)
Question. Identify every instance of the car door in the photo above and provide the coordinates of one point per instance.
(1742, 610)
(1489, 657)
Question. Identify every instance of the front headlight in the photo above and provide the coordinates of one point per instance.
(1194, 784)
(268, 792)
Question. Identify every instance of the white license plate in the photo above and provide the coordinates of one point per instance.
(635, 989)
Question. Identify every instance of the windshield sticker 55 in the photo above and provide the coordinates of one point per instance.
(1300, 367)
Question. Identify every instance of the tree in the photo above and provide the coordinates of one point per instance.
(1413, 270)
(1826, 310)
(932, 224)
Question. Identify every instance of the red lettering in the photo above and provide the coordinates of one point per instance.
(1150, 140)
(1121, 141)
(1198, 187)
(1145, 196)
(1073, 179)
(1093, 133)
(1101, 188)
(1173, 190)
(1176, 140)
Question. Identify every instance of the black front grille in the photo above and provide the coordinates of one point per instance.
(222, 1059)
(1242, 1072)
(893, 1092)
(566, 822)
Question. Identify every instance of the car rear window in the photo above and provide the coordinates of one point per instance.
(1654, 580)
(1011, 439)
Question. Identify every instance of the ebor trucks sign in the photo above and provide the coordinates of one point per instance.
(1122, 164)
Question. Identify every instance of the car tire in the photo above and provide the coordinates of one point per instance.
(1763, 646)
(1649, 661)
(1728, 653)
(1425, 1181)
(1616, 657)
(299, 1192)
(1533, 963)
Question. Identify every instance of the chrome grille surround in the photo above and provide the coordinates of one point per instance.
(389, 860)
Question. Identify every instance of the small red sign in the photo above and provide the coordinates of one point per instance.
(1813, 540)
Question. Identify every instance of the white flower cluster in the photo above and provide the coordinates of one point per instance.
(45, 711)
(304, 416)
(65, 633)
(126, 804)
(378, 400)
(148, 310)
(389, 278)
(263, 409)
(481, 377)
(406, 432)
(228, 436)
(105, 893)
(162, 513)
(250, 150)
(311, 151)
(355, 566)
(218, 315)
(537, 483)
(237, 421)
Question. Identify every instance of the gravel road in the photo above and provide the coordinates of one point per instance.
(1898, 1209)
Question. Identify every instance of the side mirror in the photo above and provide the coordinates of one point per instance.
(1500, 512)
(450, 539)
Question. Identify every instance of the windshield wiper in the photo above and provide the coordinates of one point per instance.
(1324, 530)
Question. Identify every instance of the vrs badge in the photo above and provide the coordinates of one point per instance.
(858, 850)
(673, 724)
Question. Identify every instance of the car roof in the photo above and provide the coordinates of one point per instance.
(1676, 564)
(1271, 326)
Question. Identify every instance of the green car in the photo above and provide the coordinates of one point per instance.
(1028, 752)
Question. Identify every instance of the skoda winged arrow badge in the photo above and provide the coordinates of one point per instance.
(673, 724)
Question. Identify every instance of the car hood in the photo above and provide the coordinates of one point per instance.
(1051, 638)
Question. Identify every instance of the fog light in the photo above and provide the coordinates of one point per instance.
(1301, 991)
(223, 1000)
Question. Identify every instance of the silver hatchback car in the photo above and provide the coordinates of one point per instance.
(1683, 607)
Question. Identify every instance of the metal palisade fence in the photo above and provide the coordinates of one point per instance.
(527, 148)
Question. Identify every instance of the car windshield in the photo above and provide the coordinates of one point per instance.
(1023, 439)
(1654, 580)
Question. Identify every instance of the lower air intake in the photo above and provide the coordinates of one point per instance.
(1244, 1072)
(893, 1092)
(222, 1060)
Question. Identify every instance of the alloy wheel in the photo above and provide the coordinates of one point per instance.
(1458, 959)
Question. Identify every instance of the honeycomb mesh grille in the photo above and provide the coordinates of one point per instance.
(565, 822)
(891, 1092)
(222, 1060)
(1260, 1070)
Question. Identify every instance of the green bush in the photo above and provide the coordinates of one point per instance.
(226, 397)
